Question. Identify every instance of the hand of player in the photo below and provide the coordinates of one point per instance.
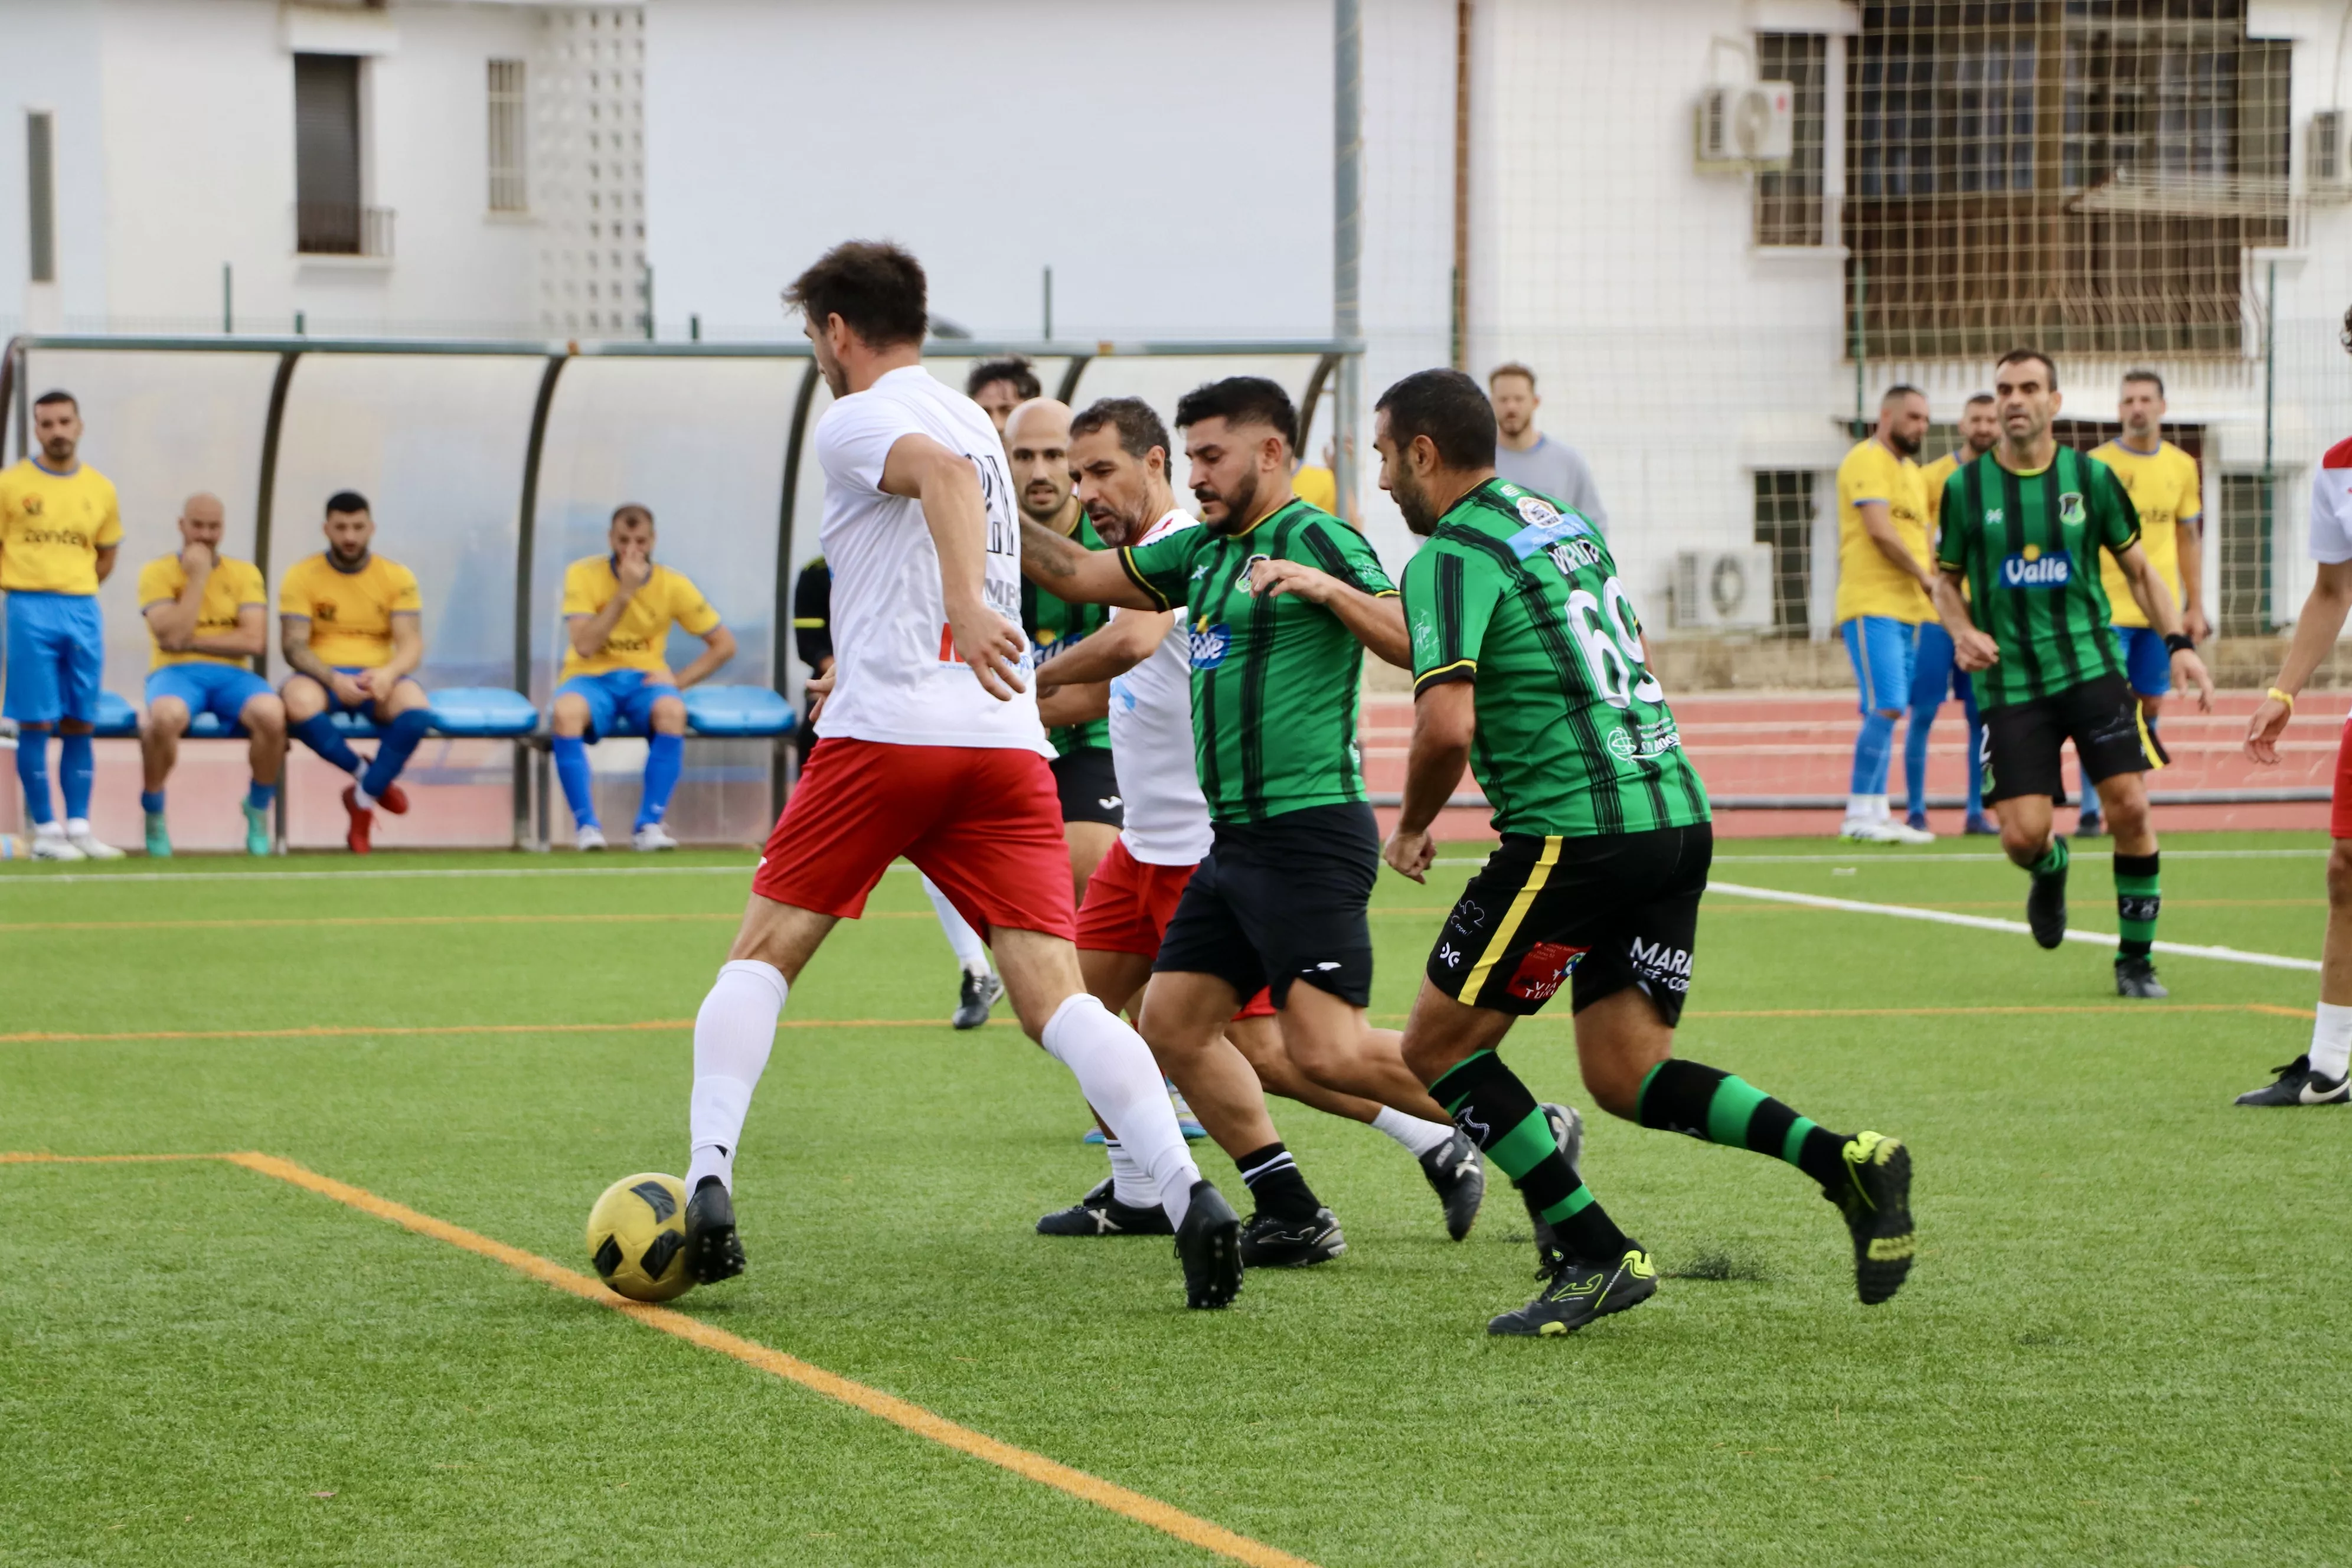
(2187, 669)
(819, 688)
(2262, 731)
(2193, 622)
(637, 569)
(350, 690)
(1974, 650)
(1270, 577)
(1409, 854)
(197, 560)
(992, 645)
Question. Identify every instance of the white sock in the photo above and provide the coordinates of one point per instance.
(2331, 1040)
(1120, 1080)
(1878, 811)
(1857, 808)
(77, 827)
(732, 1036)
(1418, 1136)
(970, 950)
(362, 799)
(49, 829)
(1130, 1184)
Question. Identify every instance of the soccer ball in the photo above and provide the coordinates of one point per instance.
(636, 1237)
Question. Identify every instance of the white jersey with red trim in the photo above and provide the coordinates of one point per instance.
(898, 679)
(1151, 743)
(2331, 505)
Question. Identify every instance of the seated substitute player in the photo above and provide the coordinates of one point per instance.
(930, 749)
(1282, 599)
(1135, 672)
(2021, 525)
(2323, 1075)
(59, 528)
(208, 617)
(1882, 599)
(2165, 490)
(351, 625)
(1935, 677)
(1528, 664)
(617, 610)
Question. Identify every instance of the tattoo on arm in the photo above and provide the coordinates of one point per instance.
(1054, 554)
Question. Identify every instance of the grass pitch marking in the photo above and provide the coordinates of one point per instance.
(904, 1414)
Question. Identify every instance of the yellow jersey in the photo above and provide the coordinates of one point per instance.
(643, 627)
(2163, 486)
(232, 585)
(1931, 486)
(350, 612)
(1317, 486)
(52, 527)
(1868, 582)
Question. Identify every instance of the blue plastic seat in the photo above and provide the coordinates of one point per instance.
(472, 712)
(737, 710)
(117, 720)
(208, 727)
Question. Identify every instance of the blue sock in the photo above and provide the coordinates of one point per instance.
(258, 796)
(319, 732)
(33, 772)
(1873, 752)
(77, 762)
(393, 751)
(1976, 764)
(579, 789)
(2089, 797)
(1915, 756)
(151, 801)
(665, 760)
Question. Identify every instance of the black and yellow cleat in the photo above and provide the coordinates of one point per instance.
(1209, 1245)
(1875, 1199)
(713, 1250)
(1575, 1293)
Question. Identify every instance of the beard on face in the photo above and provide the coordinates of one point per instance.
(1414, 502)
(1238, 505)
(1908, 446)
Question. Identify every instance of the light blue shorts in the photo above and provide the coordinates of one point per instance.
(1885, 651)
(57, 656)
(2147, 661)
(219, 689)
(620, 702)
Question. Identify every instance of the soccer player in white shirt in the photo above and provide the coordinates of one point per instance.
(2323, 1075)
(933, 751)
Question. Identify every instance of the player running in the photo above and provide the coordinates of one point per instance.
(617, 612)
(352, 625)
(1882, 598)
(2021, 526)
(59, 528)
(1279, 596)
(1135, 671)
(2323, 1075)
(1528, 665)
(208, 618)
(1935, 677)
(930, 749)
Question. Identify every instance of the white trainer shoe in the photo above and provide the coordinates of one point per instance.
(653, 836)
(1868, 830)
(589, 837)
(49, 843)
(1903, 832)
(91, 845)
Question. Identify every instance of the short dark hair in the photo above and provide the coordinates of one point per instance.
(2146, 375)
(1449, 408)
(1977, 397)
(1900, 389)
(1015, 369)
(57, 395)
(1511, 367)
(1138, 423)
(2015, 356)
(875, 286)
(1241, 400)
(348, 500)
(627, 506)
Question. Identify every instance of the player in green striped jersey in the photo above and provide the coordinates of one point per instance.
(2024, 526)
(1282, 599)
(1528, 664)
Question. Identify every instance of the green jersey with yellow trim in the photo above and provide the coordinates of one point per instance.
(1519, 595)
(1053, 625)
(1277, 681)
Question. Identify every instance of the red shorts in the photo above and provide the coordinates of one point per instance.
(983, 824)
(2339, 811)
(1128, 907)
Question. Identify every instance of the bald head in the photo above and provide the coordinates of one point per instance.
(1037, 448)
(202, 521)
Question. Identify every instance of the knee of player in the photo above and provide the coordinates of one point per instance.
(571, 716)
(1890, 714)
(407, 697)
(2128, 817)
(264, 716)
(167, 718)
(669, 716)
(303, 697)
(2020, 844)
(1615, 1087)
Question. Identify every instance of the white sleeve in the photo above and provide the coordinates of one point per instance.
(2331, 516)
(855, 437)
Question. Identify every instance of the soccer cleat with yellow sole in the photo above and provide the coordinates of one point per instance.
(1876, 1198)
(1575, 1293)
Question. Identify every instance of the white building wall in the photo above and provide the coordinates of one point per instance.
(50, 61)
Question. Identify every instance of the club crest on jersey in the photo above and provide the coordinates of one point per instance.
(1210, 643)
(2070, 508)
(1536, 511)
(2030, 568)
(1242, 582)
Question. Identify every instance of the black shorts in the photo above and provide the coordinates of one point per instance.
(1089, 788)
(2102, 718)
(1280, 900)
(1601, 913)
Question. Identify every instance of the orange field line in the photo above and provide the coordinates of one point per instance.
(1169, 1521)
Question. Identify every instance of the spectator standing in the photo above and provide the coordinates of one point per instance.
(1525, 457)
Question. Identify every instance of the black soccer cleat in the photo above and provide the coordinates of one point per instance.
(1209, 1245)
(978, 994)
(1876, 1198)
(713, 1250)
(1567, 1133)
(1575, 1293)
(1100, 1213)
(2299, 1085)
(2135, 976)
(1459, 1178)
(1269, 1242)
(2045, 907)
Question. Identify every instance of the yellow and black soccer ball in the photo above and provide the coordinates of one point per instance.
(636, 1237)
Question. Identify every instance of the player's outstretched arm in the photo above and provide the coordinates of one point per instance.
(1107, 653)
(1444, 720)
(1972, 649)
(2315, 631)
(1068, 570)
(2153, 595)
(1074, 704)
(1378, 622)
(948, 487)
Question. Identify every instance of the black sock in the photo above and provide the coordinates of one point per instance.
(1273, 1179)
(1487, 1100)
(1715, 1107)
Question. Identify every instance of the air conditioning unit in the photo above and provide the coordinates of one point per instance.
(2323, 157)
(1720, 590)
(1749, 127)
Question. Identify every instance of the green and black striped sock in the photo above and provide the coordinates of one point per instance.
(1487, 1100)
(2138, 900)
(2053, 860)
(1715, 1107)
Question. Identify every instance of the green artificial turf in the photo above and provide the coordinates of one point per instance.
(2121, 1344)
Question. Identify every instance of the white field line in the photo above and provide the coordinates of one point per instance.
(1876, 858)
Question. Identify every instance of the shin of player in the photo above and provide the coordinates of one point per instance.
(1882, 598)
(208, 617)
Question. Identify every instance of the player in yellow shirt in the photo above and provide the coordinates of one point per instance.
(208, 618)
(1937, 674)
(2164, 486)
(1883, 596)
(60, 527)
(617, 611)
(352, 625)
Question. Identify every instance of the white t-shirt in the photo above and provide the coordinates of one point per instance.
(898, 680)
(2331, 505)
(1151, 743)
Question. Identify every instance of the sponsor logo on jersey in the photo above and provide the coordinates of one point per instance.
(72, 536)
(1646, 743)
(1993, 514)
(2070, 508)
(1655, 963)
(2030, 568)
(1545, 531)
(1544, 970)
(1210, 643)
(1467, 917)
(1572, 555)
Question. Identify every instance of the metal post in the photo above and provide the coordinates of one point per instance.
(301, 325)
(1069, 391)
(229, 298)
(1347, 217)
(526, 536)
(2270, 395)
(694, 327)
(780, 625)
(1461, 281)
(8, 379)
(649, 301)
(1048, 333)
(1861, 345)
(265, 506)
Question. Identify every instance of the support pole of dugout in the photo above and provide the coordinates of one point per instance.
(780, 648)
(526, 535)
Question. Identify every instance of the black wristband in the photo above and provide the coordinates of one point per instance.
(2178, 642)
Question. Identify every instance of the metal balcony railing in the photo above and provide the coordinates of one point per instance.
(341, 228)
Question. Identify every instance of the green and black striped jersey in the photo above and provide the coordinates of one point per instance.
(1574, 737)
(1276, 682)
(1055, 624)
(2029, 544)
